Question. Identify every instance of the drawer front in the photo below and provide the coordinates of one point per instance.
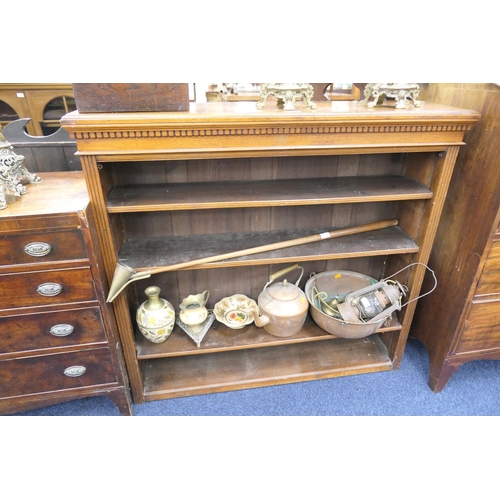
(49, 330)
(29, 223)
(489, 281)
(46, 288)
(41, 374)
(482, 329)
(42, 247)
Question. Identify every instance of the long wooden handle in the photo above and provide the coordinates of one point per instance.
(282, 244)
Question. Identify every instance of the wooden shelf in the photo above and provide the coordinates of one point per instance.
(286, 192)
(230, 370)
(147, 253)
(221, 338)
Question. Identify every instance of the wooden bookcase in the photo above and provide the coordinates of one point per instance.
(173, 187)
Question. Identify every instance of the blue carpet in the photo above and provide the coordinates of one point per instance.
(373, 436)
(472, 391)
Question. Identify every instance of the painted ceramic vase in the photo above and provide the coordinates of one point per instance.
(156, 316)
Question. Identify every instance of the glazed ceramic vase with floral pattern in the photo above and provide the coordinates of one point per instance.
(156, 316)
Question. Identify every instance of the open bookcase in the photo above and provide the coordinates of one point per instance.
(174, 187)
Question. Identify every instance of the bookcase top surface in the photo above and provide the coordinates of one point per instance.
(247, 112)
(230, 129)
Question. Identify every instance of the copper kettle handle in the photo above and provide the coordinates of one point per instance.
(281, 273)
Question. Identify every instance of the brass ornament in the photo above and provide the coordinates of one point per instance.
(13, 174)
(402, 92)
(287, 94)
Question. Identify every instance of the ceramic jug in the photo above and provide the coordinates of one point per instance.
(283, 306)
(192, 309)
(155, 317)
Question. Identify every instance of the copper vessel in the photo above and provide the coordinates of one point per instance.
(336, 285)
(282, 307)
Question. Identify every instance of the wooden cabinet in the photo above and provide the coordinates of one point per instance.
(44, 103)
(173, 187)
(58, 337)
(460, 321)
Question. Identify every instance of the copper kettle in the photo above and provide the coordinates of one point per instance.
(282, 307)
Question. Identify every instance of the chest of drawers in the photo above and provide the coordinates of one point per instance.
(58, 337)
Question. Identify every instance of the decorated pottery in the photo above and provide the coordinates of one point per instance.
(192, 309)
(155, 317)
(235, 311)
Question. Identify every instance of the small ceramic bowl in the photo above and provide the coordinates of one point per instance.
(235, 311)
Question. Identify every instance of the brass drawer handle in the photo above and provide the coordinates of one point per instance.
(37, 249)
(49, 289)
(75, 371)
(62, 330)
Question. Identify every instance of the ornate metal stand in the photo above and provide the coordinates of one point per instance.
(286, 93)
(399, 91)
(13, 174)
(198, 332)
